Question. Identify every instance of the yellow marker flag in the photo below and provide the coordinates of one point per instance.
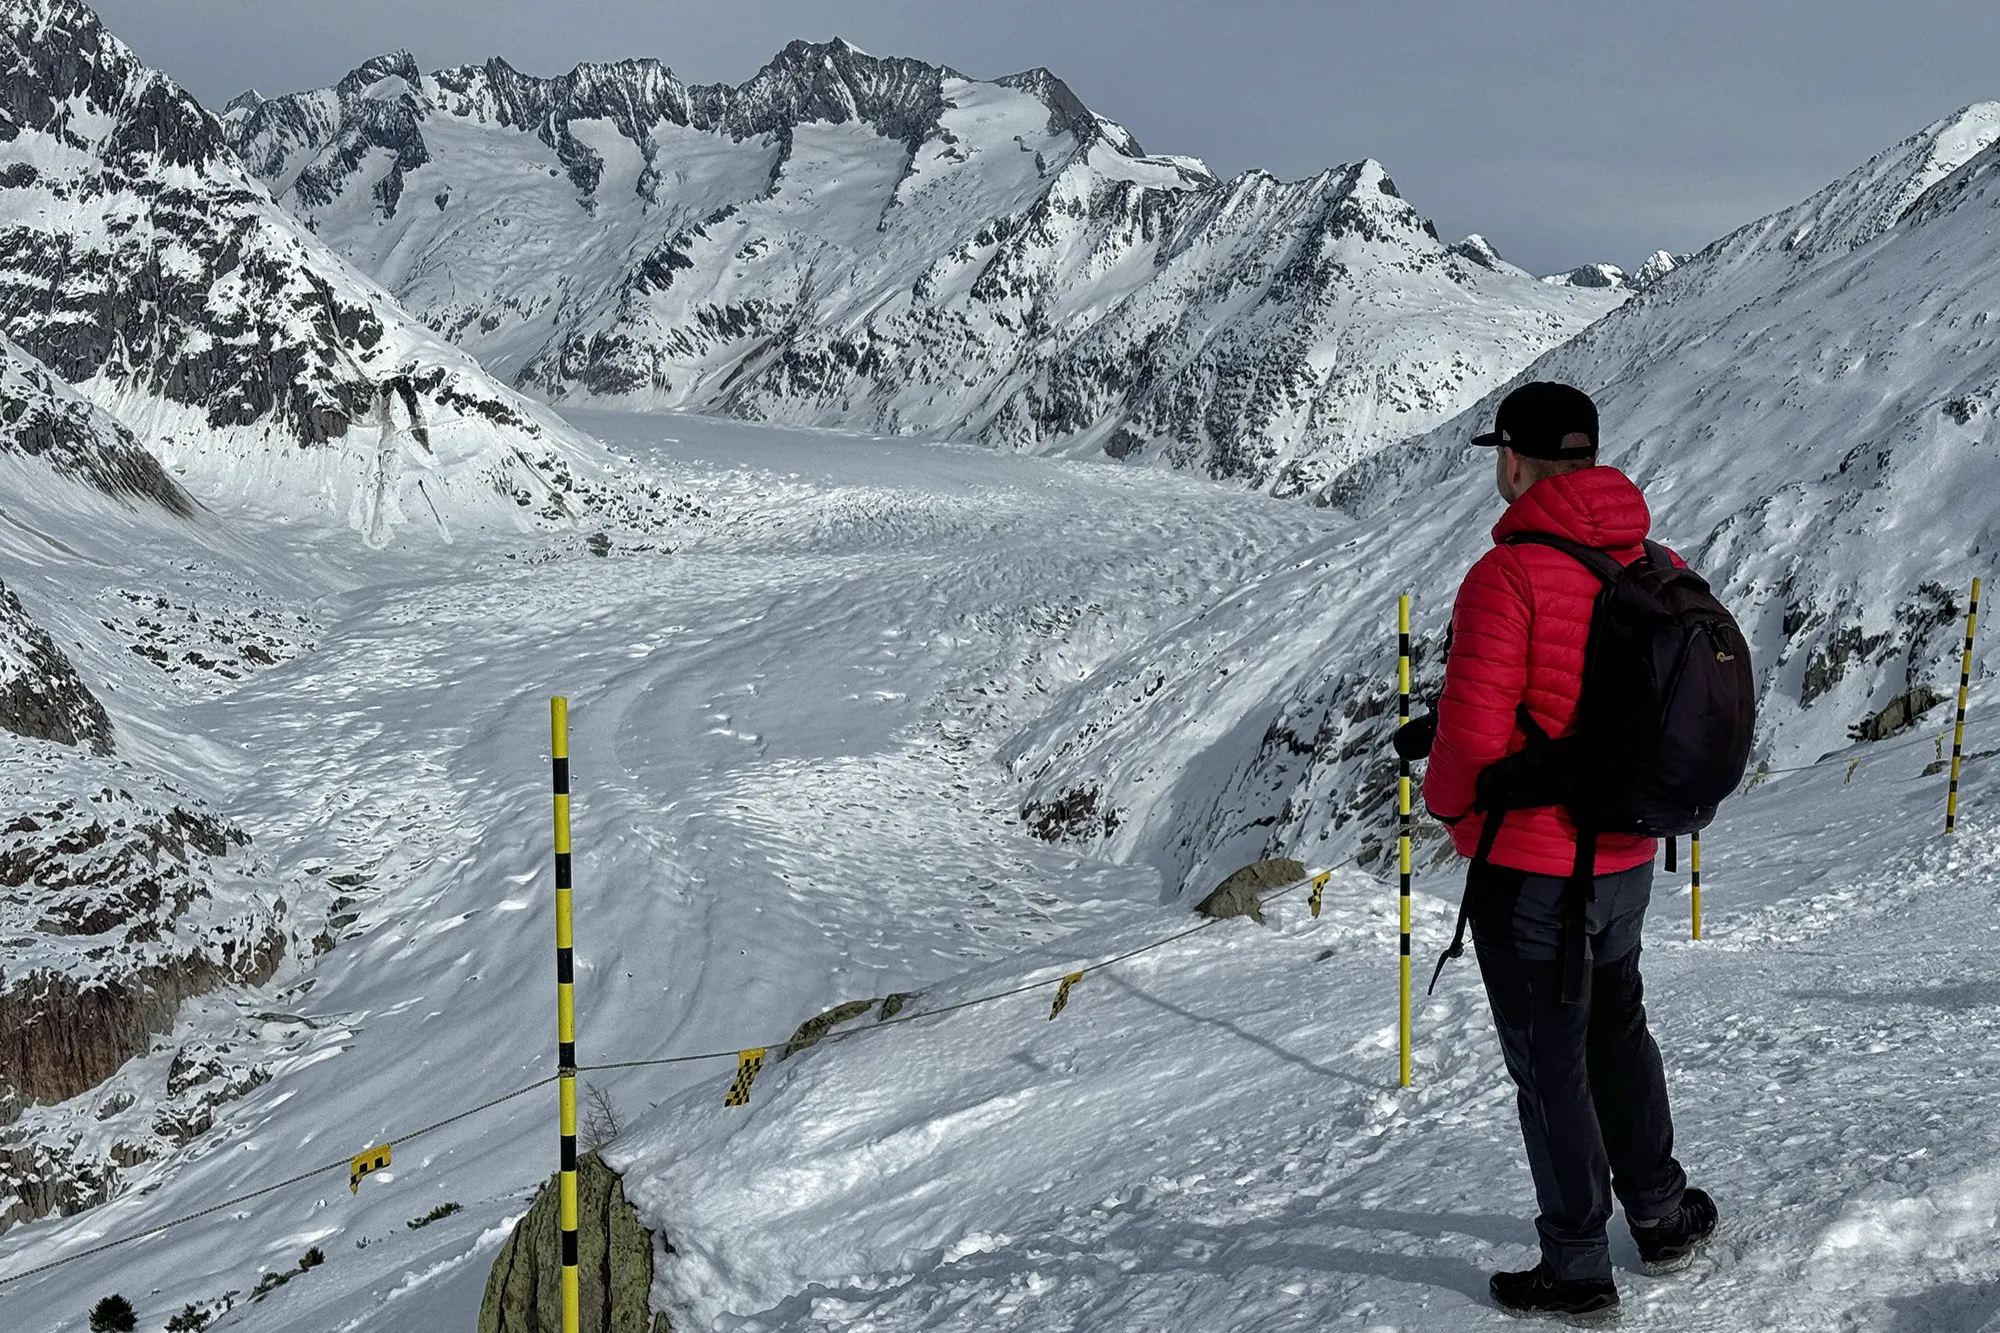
(747, 1065)
(1319, 891)
(1062, 995)
(366, 1164)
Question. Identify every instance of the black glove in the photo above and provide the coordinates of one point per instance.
(1413, 738)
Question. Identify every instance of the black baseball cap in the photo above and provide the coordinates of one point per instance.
(1533, 420)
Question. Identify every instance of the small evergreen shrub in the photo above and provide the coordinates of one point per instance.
(312, 1258)
(438, 1213)
(113, 1314)
(189, 1320)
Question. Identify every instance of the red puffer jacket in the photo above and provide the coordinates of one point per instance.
(1518, 634)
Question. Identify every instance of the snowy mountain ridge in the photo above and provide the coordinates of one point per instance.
(139, 264)
(889, 246)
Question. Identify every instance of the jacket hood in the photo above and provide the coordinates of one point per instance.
(1598, 506)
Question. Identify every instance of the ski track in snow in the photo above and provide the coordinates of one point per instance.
(784, 724)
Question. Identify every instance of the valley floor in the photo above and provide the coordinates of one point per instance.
(783, 727)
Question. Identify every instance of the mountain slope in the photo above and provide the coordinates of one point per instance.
(888, 245)
(140, 264)
(43, 419)
(1810, 404)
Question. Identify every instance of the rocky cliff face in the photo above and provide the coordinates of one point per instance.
(139, 263)
(116, 907)
(884, 244)
(41, 696)
(43, 419)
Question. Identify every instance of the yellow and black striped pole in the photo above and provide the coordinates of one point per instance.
(1958, 734)
(565, 1013)
(1403, 836)
(1694, 874)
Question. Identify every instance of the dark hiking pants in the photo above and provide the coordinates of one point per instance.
(1593, 1097)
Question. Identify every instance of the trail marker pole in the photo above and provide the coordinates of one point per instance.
(1958, 733)
(565, 1012)
(1403, 836)
(1694, 873)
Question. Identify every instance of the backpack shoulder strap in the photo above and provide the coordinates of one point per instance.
(1597, 562)
(1659, 556)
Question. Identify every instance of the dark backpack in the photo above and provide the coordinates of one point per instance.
(1663, 726)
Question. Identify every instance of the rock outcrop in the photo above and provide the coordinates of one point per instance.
(116, 909)
(614, 1263)
(41, 696)
(1242, 892)
(43, 419)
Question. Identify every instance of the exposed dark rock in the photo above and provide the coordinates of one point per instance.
(1900, 715)
(212, 317)
(614, 1263)
(125, 302)
(60, 1037)
(814, 1030)
(1828, 663)
(109, 906)
(41, 696)
(43, 419)
(1242, 892)
(1075, 816)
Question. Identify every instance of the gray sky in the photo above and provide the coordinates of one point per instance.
(1567, 131)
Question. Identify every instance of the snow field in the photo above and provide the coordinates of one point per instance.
(1210, 1135)
(778, 773)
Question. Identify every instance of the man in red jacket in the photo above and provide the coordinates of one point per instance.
(1593, 1095)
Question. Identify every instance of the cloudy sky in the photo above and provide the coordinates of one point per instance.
(1566, 130)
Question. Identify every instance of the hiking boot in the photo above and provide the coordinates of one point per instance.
(1540, 1292)
(1671, 1243)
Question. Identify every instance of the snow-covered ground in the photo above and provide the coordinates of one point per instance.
(787, 720)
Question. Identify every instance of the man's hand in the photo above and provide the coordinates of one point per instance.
(1413, 738)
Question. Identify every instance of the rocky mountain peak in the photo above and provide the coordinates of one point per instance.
(1068, 114)
(1657, 266)
(994, 260)
(391, 65)
(61, 73)
(834, 82)
(1480, 251)
(1590, 275)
